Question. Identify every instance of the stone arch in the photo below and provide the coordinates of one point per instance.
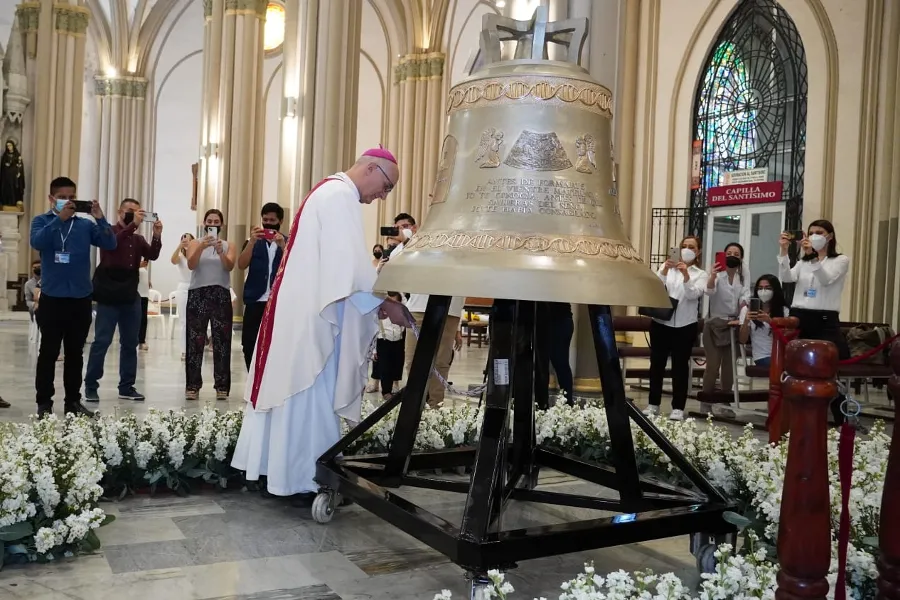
(814, 27)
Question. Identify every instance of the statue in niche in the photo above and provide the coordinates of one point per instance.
(12, 179)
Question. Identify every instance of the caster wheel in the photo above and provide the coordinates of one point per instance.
(323, 508)
(706, 559)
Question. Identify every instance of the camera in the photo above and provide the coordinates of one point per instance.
(390, 231)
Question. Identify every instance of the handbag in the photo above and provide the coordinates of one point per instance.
(660, 314)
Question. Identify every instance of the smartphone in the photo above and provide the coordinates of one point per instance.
(720, 259)
(390, 231)
(755, 305)
(83, 206)
(796, 235)
(212, 231)
(269, 234)
(675, 254)
(151, 217)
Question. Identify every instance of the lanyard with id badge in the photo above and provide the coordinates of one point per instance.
(811, 290)
(62, 257)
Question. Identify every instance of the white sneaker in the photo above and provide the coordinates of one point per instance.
(651, 411)
(676, 415)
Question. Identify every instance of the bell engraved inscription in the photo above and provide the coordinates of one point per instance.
(526, 223)
(538, 152)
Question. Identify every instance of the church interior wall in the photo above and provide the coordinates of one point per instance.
(176, 123)
(676, 38)
(375, 79)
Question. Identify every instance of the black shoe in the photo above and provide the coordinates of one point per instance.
(131, 394)
(91, 395)
(45, 410)
(78, 410)
(4, 403)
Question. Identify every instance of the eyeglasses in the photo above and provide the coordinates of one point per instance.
(390, 184)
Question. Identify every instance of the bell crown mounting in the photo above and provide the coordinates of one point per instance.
(532, 37)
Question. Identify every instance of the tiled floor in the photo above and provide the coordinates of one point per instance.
(239, 545)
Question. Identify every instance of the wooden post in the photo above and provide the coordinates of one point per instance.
(804, 529)
(778, 423)
(889, 527)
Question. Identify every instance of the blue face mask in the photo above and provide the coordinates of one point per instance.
(61, 204)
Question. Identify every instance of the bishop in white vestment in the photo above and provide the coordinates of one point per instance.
(312, 351)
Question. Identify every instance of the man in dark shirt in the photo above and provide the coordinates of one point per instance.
(118, 302)
(64, 241)
(262, 254)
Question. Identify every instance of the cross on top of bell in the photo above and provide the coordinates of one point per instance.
(532, 36)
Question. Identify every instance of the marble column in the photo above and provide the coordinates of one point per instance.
(414, 131)
(122, 157)
(320, 95)
(58, 100)
(232, 143)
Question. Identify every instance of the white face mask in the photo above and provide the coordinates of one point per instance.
(688, 255)
(818, 241)
(406, 233)
(765, 295)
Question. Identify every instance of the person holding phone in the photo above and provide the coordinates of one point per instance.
(117, 294)
(179, 259)
(65, 313)
(675, 337)
(211, 261)
(819, 276)
(766, 303)
(377, 253)
(261, 257)
(728, 289)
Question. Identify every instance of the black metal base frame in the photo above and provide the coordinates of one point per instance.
(505, 467)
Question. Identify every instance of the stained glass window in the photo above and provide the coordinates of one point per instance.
(750, 109)
(728, 132)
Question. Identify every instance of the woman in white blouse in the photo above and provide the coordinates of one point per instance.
(819, 277)
(728, 288)
(179, 259)
(675, 337)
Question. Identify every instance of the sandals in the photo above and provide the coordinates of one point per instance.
(191, 395)
(221, 395)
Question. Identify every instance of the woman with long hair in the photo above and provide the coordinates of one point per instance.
(728, 288)
(755, 325)
(211, 260)
(377, 254)
(819, 278)
(675, 337)
(179, 259)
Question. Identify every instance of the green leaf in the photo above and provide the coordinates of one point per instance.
(92, 541)
(739, 521)
(156, 476)
(107, 520)
(16, 531)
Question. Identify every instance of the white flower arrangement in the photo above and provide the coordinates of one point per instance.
(53, 473)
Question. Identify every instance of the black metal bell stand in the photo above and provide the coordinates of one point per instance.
(504, 470)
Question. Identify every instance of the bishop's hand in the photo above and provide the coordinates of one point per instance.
(396, 312)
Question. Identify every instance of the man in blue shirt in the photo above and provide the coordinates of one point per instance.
(64, 241)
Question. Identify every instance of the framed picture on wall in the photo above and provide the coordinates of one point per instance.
(195, 170)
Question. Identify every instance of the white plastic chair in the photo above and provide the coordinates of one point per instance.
(154, 310)
(173, 315)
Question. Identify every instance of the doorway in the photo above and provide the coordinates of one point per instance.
(757, 228)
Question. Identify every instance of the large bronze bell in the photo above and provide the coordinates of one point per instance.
(524, 205)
